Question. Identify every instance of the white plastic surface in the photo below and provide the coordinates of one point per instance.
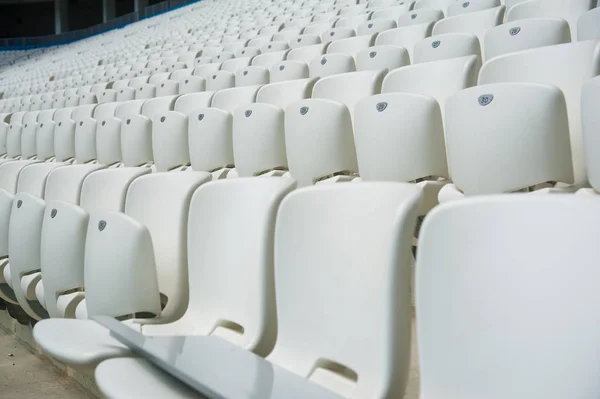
(382, 57)
(591, 124)
(580, 62)
(288, 70)
(588, 25)
(515, 139)
(405, 36)
(570, 10)
(525, 34)
(515, 312)
(449, 45)
(331, 64)
(371, 276)
(319, 140)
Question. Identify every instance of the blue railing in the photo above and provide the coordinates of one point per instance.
(26, 43)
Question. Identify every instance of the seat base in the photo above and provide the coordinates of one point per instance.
(79, 343)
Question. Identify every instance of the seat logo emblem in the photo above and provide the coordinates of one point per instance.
(436, 44)
(245, 73)
(331, 33)
(53, 213)
(281, 67)
(381, 106)
(303, 110)
(514, 31)
(200, 117)
(248, 113)
(19, 203)
(372, 54)
(413, 16)
(485, 99)
(101, 225)
(162, 119)
(466, 4)
(299, 40)
(323, 61)
(370, 26)
(103, 123)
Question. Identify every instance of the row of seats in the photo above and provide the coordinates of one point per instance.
(185, 175)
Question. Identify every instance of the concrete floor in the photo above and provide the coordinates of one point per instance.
(23, 375)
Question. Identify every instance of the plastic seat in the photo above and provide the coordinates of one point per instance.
(322, 127)
(376, 26)
(536, 65)
(570, 10)
(206, 70)
(258, 129)
(466, 7)
(588, 25)
(442, 5)
(288, 70)
(382, 57)
(220, 80)
(525, 34)
(437, 79)
(420, 16)
(234, 64)
(269, 59)
(352, 45)
(512, 295)
(274, 46)
(151, 236)
(325, 211)
(191, 84)
(251, 76)
(497, 149)
(331, 64)
(589, 95)
(409, 147)
(450, 45)
(477, 23)
(304, 40)
(337, 34)
(406, 36)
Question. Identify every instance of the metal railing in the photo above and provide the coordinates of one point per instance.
(26, 43)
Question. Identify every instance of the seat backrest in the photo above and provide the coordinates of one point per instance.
(269, 59)
(477, 23)
(525, 34)
(349, 88)
(167, 87)
(466, 7)
(409, 146)
(375, 26)
(506, 137)
(232, 65)
(581, 61)
(337, 34)
(392, 12)
(405, 36)
(64, 132)
(331, 64)
(319, 140)
(220, 80)
(232, 293)
(28, 133)
(251, 76)
(307, 53)
(159, 205)
(306, 39)
(588, 25)
(590, 122)
(351, 45)
(570, 10)
(288, 70)
(437, 4)
(382, 57)
(230, 99)
(438, 79)
(449, 45)
(423, 15)
(491, 255)
(356, 363)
